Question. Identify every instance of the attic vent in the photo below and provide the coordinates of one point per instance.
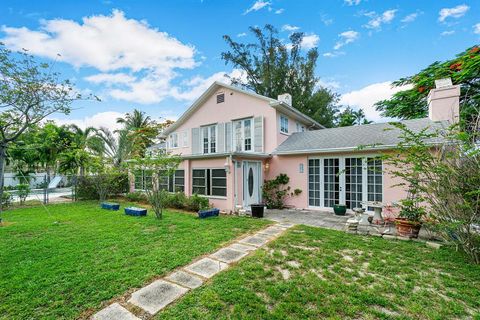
(220, 97)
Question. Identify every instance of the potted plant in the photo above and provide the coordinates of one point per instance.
(339, 209)
(409, 220)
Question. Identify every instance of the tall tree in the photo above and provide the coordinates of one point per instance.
(272, 67)
(29, 92)
(464, 70)
(350, 117)
(141, 131)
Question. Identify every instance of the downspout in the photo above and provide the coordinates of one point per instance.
(234, 168)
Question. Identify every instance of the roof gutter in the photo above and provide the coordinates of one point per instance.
(276, 104)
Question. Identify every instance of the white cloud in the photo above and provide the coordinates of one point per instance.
(377, 21)
(288, 27)
(259, 4)
(146, 57)
(310, 41)
(333, 54)
(328, 83)
(326, 20)
(279, 11)
(455, 12)
(410, 18)
(346, 38)
(352, 2)
(103, 119)
(447, 33)
(243, 34)
(366, 97)
(476, 28)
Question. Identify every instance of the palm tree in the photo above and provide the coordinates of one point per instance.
(116, 148)
(140, 130)
(86, 141)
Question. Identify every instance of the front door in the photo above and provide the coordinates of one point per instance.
(251, 183)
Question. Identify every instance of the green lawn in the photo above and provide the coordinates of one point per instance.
(63, 264)
(334, 275)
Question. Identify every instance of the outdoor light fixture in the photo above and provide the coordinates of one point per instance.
(267, 165)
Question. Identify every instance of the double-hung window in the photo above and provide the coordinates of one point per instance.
(173, 141)
(283, 124)
(300, 127)
(209, 139)
(143, 179)
(209, 182)
(243, 135)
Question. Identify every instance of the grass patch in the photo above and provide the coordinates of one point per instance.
(313, 273)
(64, 264)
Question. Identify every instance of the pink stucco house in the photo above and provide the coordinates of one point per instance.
(230, 140)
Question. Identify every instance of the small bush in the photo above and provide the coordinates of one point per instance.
(177, 200)
(6, 200)
(196, 203)
(87, 187)
(23, 190)
(276, 191)
(136, 196)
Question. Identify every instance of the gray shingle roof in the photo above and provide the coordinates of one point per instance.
(350, 138)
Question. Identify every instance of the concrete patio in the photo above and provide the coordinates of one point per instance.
(315, 218)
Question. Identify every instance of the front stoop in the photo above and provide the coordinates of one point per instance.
(160, 293)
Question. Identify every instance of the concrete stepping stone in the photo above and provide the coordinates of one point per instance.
(272, 231)
(254, 241)
(206, 267)
(185, 279)
(228, 255)
(242, 247)
(114, 312)
(285, 225)
(157, 295)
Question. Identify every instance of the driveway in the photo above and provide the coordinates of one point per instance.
(309, 217)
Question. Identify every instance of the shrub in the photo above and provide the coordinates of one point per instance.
(177, 200)
(276, 191)
(87, 187)
(23, 190)
(136, 196)
(6, 200)
(196, 203)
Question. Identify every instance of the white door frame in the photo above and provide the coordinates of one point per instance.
(258, 174)
(342, 187)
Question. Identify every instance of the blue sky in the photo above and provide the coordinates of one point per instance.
(158, 56)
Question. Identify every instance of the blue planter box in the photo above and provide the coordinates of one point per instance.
(208, 213)
(133, 211)
(110, 206)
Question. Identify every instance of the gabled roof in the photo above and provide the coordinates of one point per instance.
(217, 85)
(373, 136)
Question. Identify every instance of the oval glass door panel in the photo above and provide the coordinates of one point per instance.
(250, 182)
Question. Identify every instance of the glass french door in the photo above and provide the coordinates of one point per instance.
(344, 180)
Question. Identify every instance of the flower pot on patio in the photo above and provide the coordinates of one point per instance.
(340, 209)
(407, 228)
(257, 210)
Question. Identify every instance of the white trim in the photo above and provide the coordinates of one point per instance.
(242, 133)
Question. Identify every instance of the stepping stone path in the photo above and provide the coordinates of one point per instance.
(160, 293)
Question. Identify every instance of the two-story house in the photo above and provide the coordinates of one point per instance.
(230, 140)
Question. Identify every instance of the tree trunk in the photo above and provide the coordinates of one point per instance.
(3, 156)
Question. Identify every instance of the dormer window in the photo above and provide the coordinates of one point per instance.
(221, 97)
(283, 124)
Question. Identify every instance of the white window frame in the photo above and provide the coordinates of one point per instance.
(242, 134)
(206, 184)
(210, 143)
(172, 138)
(284, 129)
(184, 139)
(300, 127)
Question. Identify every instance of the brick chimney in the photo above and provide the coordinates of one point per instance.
(444, 101)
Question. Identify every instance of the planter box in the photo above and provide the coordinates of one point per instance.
(137, 212)
(110, 206)
(208, 213)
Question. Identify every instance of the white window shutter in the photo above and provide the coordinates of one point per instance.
(196, 140)
(228, 137)
(258, 134)
(221, 137)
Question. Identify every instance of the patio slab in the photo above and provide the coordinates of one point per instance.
(272, 231)
(254, 241)
(206, 267)
(185, 279)
(242, 247)
(114, 312)
(228, 255)
(157, 296)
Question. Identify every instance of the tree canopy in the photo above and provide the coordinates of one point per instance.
(272, 67)
(464, 70)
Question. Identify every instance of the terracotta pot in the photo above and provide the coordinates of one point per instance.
(407, 228)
